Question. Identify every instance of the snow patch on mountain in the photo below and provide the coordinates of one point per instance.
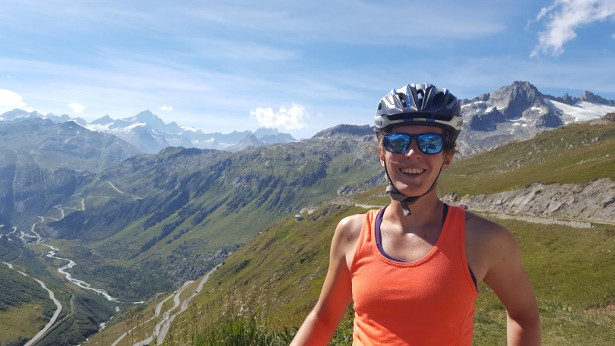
(582, 110)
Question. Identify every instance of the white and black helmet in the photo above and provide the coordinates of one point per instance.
(419, 104)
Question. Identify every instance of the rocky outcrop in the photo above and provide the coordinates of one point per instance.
(591, 202)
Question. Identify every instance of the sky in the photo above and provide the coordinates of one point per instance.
(299, 66)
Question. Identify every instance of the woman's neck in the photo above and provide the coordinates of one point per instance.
(424, 212)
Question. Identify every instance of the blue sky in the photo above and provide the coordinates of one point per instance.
(300, 66)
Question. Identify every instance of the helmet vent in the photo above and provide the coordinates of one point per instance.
(419, 98)
(403, 99)
(437, 100)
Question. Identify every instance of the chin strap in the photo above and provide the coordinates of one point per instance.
(404, 200)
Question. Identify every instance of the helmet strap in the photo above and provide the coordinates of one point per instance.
(404, 200)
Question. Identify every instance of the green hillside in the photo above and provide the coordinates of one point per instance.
(273, 281)
(576, 153)
(24, 306)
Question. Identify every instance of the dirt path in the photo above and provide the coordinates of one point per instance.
(122, 192)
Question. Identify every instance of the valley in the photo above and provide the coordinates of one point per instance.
(172, 245)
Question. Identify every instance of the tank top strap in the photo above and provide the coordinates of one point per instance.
(453, 230)
(367, 236)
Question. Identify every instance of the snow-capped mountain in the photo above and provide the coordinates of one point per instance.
(520, 111)
(150, 134)
(513, 112)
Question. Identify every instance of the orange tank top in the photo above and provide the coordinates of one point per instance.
(426, 302)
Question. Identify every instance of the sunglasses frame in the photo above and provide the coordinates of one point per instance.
(409, 138)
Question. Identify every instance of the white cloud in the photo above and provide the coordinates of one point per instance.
(76, 108)
(292, 118)
(10, 100)
(564, 17)
(166, 108)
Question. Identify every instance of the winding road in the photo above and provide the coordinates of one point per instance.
(52, 296)
(34, 237)
(162, 327)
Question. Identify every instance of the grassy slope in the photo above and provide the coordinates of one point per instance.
(290, 259)
(23, 316)
(572, 270)
(278, 275)
(573, 154)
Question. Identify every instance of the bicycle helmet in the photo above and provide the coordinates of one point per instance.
(417, 104)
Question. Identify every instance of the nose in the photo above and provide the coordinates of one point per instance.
(413, 150)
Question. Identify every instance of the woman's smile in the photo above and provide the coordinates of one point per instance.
(412, 170)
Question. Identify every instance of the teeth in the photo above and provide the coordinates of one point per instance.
(413, 170)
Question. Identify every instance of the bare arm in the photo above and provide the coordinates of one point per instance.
(336, 294)
(506, 276)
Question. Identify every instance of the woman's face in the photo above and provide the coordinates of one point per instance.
(413, 172)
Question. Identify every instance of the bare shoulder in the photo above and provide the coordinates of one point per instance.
(482, 231)
(350, 226)
(346, 237)
(488, 246)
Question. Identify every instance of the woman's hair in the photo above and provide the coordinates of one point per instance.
(449, 135)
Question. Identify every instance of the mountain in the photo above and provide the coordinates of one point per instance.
(41, 171)
(172, 216)
(520, 111)
(62, 145)
(21, 114)
(351, 130)
(274, 280)
(147, 132)
(261, 137)
(512, 112)
(150, 134)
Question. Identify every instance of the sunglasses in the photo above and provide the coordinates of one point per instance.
(428, 143)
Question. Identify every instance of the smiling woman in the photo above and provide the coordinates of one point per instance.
(412, 268)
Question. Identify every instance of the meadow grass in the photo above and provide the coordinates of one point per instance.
(268, 287)
(23, 321)
(572, 272)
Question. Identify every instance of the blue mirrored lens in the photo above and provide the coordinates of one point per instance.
(428, 143)
(396, 143)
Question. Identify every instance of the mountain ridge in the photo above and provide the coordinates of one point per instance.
(511, 112)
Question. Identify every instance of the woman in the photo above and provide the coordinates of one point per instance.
(413, 267)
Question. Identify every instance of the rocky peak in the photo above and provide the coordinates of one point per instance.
(516, 90)
(593, 98)
(352, 130)
(19, 113)
(515, 98)
(567, 99)
(103, 121)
